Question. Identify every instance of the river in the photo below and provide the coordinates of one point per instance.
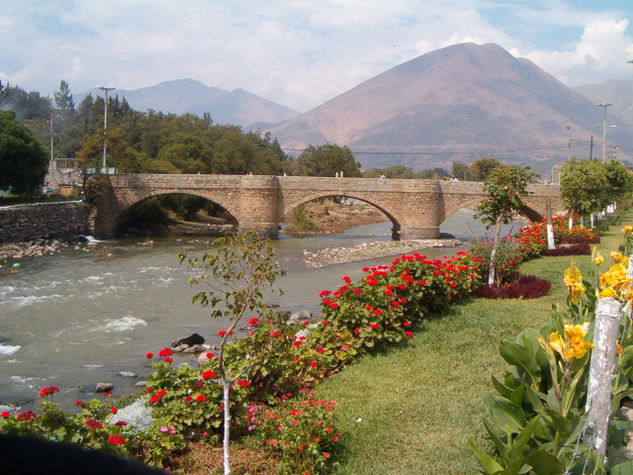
(74, 319)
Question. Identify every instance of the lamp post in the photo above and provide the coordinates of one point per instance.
(106, 90)
(604, 105)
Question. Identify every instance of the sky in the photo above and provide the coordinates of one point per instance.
(298, 53)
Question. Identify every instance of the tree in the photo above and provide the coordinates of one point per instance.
(394, 171)
(64, 104)
(506, 187)
(481, 168)
(583, 186)
(23, 159)
(327, 160)
(433, 173)
(620, 181)
(461, 171)
(237, 272)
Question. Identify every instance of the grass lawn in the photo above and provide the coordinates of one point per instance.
(412, 410)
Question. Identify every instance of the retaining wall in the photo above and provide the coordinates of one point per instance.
(43, 221)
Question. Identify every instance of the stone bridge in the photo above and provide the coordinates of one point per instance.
(415, 207)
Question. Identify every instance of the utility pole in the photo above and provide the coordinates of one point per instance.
(569, 139)
(50, 129)
(604, 105)
(106, 90)
(591, 148)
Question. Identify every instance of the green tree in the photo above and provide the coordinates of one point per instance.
(461, 171)
(584, 186)
(327, 160)
(236, 273)
(620, 181)
(481, 168)
(65, 105)
(23, 159)
(432, 173)
(394, 171)
(506, 188)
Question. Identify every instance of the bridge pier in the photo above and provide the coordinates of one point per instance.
(419, 232)
(259, 195)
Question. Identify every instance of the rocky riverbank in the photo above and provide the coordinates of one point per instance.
(37, 248)
(368, 250)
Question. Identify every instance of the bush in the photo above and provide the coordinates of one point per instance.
(573, 250)
(526, 287)
(507, 257)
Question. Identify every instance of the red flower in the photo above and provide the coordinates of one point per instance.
(120, 423)
(357, 291)
(377, 311)
(149, 355)
(154, 399)
(326, 455)
(200, 398)
(161, 393)
(408, 334)
(208, 374)
(165, 352)
(253, 322)
(116, 440)
(5, 414)
(209, 355)
(168, 359)
(406, 324)
(368, 307)
(313, 364)
(79, 403)
(347, 279)
(113, 410)
(221, 333)
(333, 305)
(324, 293)
(373, 325)
(422, 282)
(243, 383)
(388, 292)
(356, 330)
(93, 424)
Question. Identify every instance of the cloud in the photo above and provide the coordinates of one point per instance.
(297, 53)
(602, 52)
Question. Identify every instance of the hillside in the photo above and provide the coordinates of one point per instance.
(619, 93)
(458, 103)
(190, 96)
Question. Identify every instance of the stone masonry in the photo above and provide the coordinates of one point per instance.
(36, 221)
(415, 207)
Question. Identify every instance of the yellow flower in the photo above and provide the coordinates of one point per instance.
(573, 280)
(627, 229)
(573, 345)
(598, 260)
(609, 292)
(615, 277)
(619, 258)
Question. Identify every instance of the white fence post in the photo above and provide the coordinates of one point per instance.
(606, 332)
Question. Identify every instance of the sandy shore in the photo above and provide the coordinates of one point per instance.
(368, 250)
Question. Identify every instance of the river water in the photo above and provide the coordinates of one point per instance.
(75, 319)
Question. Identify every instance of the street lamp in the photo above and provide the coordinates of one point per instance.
(604, 105)
(106, 90)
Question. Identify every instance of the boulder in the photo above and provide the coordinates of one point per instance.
(299, 317)
(104, 387)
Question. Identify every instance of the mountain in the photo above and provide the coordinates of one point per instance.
(619, 93)
(458, 103)
(190, 96)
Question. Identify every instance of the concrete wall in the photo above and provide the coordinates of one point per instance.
(43, 221)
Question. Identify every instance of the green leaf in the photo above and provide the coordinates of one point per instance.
(625, 468)
(544, 463)
(520, 356)
(488, 464)
(505, 413)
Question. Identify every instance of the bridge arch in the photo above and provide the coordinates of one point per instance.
(288, 208)
(527, 210)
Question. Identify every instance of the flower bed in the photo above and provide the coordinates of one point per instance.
(524, 287)
(581, 249)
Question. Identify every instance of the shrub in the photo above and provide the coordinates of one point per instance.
(573, 250)
(302, 432)
(507, 257)
(525, 287)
